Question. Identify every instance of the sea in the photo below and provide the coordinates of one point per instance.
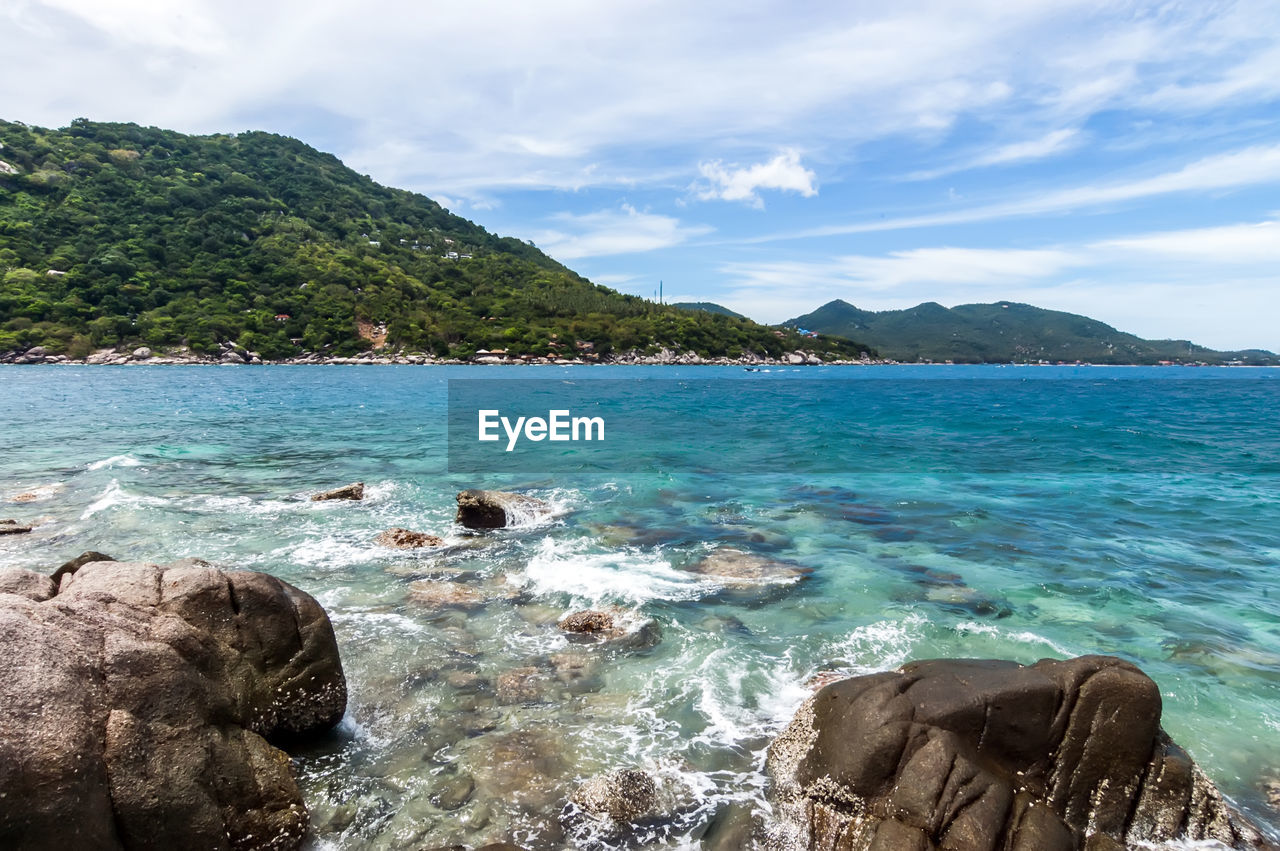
(914, 512)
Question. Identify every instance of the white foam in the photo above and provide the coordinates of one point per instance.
(1023, 637)
(115, 495)
(247, 505)
(39, 493)
(331, 552)
(367, 623)
(559, 502)
(880, 646)
(733, 719)
(115, 461)
(562, 567)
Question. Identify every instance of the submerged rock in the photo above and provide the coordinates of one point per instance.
(13, 527)
(138, 704)
(1055, 756)
(437, 593)
(404, 539)
(521, 685)
(735, 568)
(481, 509)
(354, 491)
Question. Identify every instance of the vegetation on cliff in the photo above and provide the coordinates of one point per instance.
(120, 235)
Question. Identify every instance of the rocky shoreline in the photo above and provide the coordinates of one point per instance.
(150, 706)
(231, 355)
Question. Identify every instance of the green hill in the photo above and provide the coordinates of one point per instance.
(707, 306)
(120, 235)
(1004, 332)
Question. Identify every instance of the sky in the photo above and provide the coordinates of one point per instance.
(1117, 159)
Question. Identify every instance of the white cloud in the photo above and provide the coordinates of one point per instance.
(1228, 245)
(1255, 166)
(783, 173)
(1054, 142)
(622, 231)
(486, 95)
(185, 26)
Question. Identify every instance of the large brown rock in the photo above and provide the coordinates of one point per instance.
(968, 754)
(354, 491)
(138, 703)
(481, 509)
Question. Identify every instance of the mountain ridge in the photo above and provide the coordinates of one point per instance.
(117, 235)
(1005, 332)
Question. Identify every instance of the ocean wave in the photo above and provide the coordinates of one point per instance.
(880, 646)
(331, 552)
(745, 698)
(115, 461)
(562, 567)
(1022, 637)
(114, 495)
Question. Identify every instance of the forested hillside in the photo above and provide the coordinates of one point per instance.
(1004, 332)
(120, 235)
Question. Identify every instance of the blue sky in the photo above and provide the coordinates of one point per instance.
(1118, 159)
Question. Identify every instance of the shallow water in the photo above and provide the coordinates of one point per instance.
(1018, 513)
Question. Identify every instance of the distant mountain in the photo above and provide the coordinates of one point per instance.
(115, 235)
(708, 307)
(1004, 332)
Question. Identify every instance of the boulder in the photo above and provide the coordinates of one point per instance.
(481, 509)
(354, 491)
(13, 527)
(591, 622)
(28, 584)
(630, 804)
(961, 753)
(625, 796)
(141, 701)
(404, 539)
(141, 353)
(616, 626)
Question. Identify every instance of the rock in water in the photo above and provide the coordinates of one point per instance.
(404, 539)
(351, 491)
(625, 796)
(630, 806)
(591, 622)
(962, 753)
(740, 570)
(480, 509)
(138, 703)
(13, 527)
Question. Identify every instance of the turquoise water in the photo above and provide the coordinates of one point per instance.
(1019, 512)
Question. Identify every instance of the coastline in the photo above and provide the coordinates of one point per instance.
(665, 357)
(240, 357)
